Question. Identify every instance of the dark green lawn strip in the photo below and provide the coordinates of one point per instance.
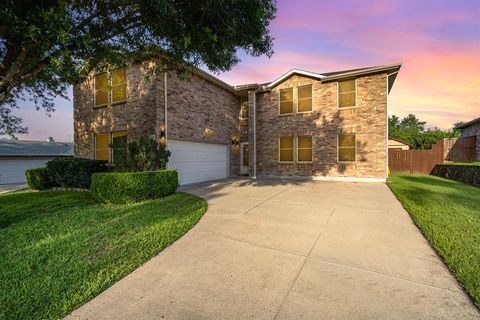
(59, 249)
(448, 213)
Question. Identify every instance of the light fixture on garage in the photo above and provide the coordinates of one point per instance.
(235, 141)
(208, 132)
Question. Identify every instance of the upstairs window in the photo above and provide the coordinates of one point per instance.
(286, 149)
(347, 147)
(304, 99)
(110, 87)
(347, 94)
(101, 89)
(286, 101)
(101, 146)
(304, 149)
(119, 85)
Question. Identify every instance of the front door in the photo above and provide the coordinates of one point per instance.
(244, 157)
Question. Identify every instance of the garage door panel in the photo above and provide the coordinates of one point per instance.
(13, 171)
(197, 161)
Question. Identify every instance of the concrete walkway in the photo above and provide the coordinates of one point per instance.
(290, 250)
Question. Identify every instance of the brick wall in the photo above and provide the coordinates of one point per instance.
(194, 105)
(473, 131)
(367, 120)
(134, 115)
(197, 104)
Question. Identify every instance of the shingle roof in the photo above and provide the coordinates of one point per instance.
(25, 148)
(469, 123)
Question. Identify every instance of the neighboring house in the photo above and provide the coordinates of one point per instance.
(301, 125)
(472, 129)
(397, 144)
(16, 156)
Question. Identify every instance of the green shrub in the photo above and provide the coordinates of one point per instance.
(130, 187)
(38, 179)
(74, 172)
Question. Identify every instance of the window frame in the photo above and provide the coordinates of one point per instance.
(110, 89)
(95, 146)
(338, 95)
(111, 86)
(279, 102)
(338, 147)
(280, 149)
(298, 149)
(311, 98)
(112, 149)
(95, 91)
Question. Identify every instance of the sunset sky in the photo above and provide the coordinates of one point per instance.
(438, 42)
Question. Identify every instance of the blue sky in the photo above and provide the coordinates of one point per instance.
(438, 42)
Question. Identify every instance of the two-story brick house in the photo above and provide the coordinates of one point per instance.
(301, 125)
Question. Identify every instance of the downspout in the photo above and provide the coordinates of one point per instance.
(386, 145)
(255, 133)
(165, 104)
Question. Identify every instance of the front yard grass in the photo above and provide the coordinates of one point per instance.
(58, 249)
(448, 214)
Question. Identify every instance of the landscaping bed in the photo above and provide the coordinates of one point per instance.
(59, 249)
(448, 214)
(466, 173)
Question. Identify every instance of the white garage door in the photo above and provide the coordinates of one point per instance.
(13, 171)
(197, 161)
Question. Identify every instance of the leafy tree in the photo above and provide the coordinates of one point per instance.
(412, 130)
(47, 45)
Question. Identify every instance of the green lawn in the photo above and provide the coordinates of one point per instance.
(58, 249)
(448, 213)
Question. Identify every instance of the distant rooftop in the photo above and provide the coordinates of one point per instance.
(469, 123)
(26, 148)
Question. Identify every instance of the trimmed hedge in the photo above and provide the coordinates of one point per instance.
(74, 172)
(467, 173)
(131, 187)
(38, 179)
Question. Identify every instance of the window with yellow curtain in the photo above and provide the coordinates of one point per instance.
(111, 87)
(286, 101)
(347, 148)
(119, 147)
(304, 98)
(286, 149)
(119, 85)
(346, 94)
(101, 89)
(101, 146)
(304, 149)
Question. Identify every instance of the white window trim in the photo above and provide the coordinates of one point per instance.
(293, 150)
(338, 96)
(298, 149)
(110, 96)
(296, 109)
(293, 102)
(338, 147)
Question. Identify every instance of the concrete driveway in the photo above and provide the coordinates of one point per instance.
(290, 250)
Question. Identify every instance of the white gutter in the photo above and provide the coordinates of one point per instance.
(165, 102)
(386, 146)
(254, 177)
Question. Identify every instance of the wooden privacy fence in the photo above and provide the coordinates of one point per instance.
(423, 161)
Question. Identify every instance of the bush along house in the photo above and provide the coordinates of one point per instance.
(303, 124)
